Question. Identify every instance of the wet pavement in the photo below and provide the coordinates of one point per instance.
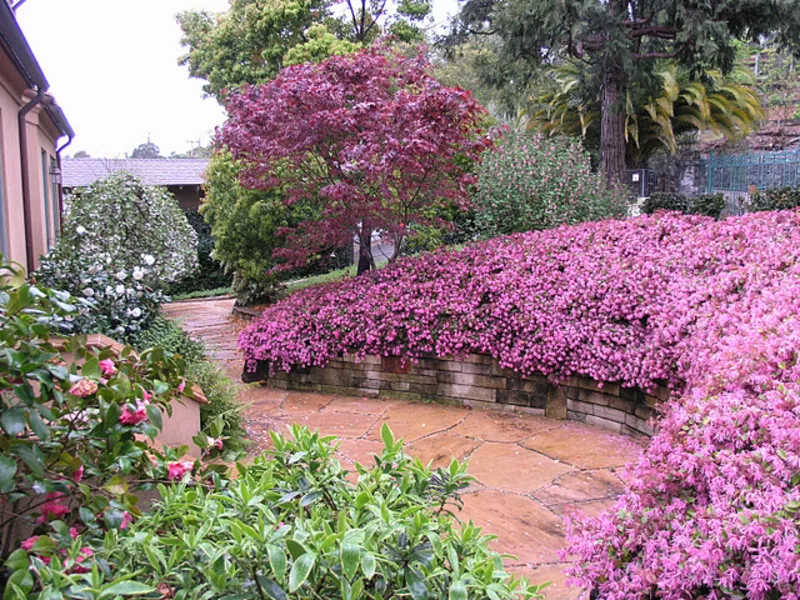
(529, 470)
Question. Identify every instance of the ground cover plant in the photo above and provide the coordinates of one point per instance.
(708, 307)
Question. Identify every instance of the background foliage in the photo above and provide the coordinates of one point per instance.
(535, 182)
(210, 273)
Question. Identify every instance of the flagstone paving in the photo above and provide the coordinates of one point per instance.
(529, 470)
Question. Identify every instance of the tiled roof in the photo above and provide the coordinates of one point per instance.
(160, 171)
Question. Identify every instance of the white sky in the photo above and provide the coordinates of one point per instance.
(112, 65)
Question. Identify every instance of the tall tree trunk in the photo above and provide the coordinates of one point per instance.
(612, 127)
(365, 259)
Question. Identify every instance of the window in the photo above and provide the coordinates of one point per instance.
(46, 192)
(54, 197)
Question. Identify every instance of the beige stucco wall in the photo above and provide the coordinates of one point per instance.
(42, 135)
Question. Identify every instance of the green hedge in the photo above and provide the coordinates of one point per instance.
(210, 274)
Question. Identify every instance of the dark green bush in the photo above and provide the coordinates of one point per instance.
(775, 199)
(665, 201)
(217, 387)
(210, 273)
(709, 205)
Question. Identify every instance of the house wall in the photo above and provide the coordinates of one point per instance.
(188, 196)
(42, 136)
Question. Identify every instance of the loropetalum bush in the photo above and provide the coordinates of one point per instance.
(121, 244)
(75, 439)
(707, 307)
(291, 525)
(531, 182)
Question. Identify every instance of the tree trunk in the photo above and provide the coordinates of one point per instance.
(365, 259)
(612, 127)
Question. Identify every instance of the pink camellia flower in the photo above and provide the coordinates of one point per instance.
(28, 544)
(177, 469)
(181, 386)
(73, 532)
(107, 367)
(129, 417)
(53, 508)
(83, 554)
(78, 474)
(85, 387)
(127, 519)
(214, 443)
(146, 396)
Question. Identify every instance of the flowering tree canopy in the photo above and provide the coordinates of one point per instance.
(370, 137)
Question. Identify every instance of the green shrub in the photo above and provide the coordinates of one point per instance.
(709, 205)
(665, 201)
(223, 411)
(76, 438)
(292, 526)
(169, 336)
(121, 244)
(532, 182)
(210, 273)
(775, 199)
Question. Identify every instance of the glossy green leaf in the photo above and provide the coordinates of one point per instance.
(300, 570)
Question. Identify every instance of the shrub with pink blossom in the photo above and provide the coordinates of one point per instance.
(708, 307)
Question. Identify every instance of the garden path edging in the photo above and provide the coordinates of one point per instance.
(476, 381)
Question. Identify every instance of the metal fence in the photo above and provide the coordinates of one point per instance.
(749, 172)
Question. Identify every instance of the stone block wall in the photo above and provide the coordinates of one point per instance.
(477, 381)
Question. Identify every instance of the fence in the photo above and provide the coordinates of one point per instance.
(738, 175)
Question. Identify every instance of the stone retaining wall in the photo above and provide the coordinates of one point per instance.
(477, 381)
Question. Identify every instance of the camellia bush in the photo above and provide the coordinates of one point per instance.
(75, 439)
(531, 182)
(707, 307)
(121, 244)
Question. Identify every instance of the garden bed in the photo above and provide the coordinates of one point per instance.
(708, 309)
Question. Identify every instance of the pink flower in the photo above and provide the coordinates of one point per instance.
(181, 386)
(146, 396)
(214, 443)
(28, 544)
(177, 469)
(53, 508)
(84, 387)
(83, 554)
(73, 532)
(127, 519)
(135, 417)
(107, 367)
(77, 476)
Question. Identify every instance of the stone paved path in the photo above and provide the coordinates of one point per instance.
(529, 470)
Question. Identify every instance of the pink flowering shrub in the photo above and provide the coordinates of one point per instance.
(708, 307)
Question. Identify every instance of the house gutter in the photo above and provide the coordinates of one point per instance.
(64, 127)
(30, 255)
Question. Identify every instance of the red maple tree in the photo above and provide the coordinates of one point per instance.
(370, 138)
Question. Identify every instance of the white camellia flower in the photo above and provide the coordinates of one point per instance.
(138, 274)
(137, 312)
(80, 230)
(121, 275)
(88, 292)
(94, 269)
(149, 260)
(120, 289)
(109, 290)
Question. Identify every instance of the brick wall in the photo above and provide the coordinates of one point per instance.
(476, 381)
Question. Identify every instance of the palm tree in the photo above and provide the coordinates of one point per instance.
(728, 106)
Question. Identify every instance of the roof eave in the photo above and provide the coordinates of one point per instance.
(17, 47)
